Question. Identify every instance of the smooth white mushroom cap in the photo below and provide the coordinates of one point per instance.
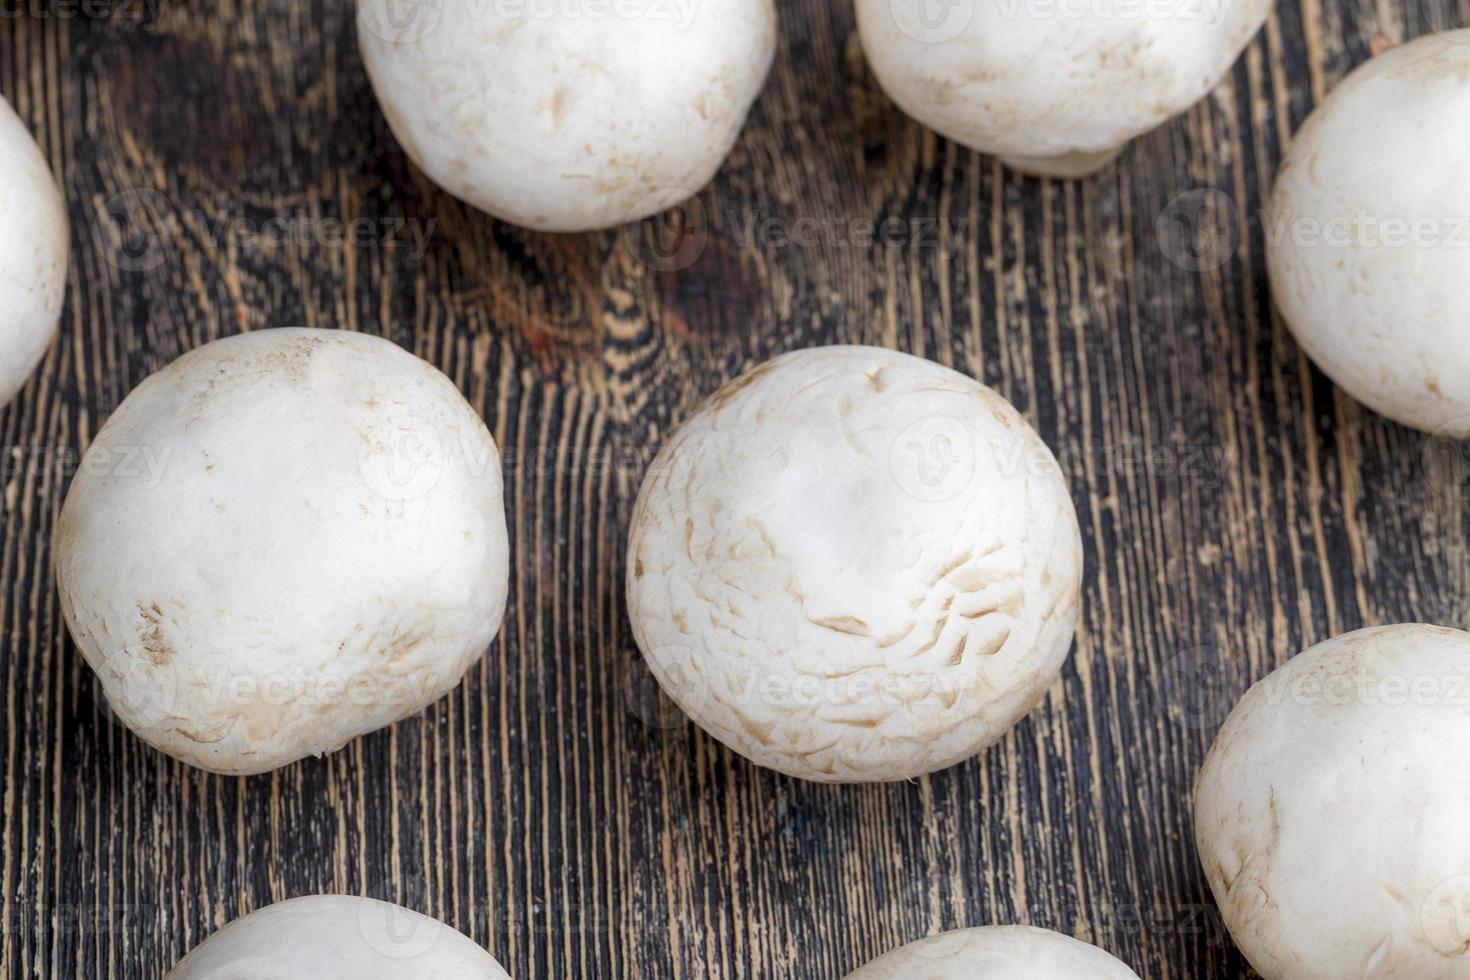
(33, 254)
(554, 119)
(282, 541)
(1332, 813)
(1055, 87)
(996, 953)
(337, 937)
(853, 565)
(1368, 235)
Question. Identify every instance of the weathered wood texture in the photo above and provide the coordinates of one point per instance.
(1235, 506)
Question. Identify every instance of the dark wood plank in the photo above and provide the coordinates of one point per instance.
(1235, 506)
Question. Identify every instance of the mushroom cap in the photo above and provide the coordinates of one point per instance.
(563, 121)
(337, 937)
(33, 254)
(1382, 308)
(1052, 78)
(996, 953)
(853, 565)
(281, 541)
(1331, 813)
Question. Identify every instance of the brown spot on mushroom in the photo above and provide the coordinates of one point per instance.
(850, 625)
(155, 644)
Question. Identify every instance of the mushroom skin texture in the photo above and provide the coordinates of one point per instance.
(996, 953)
(282, 541)
(562, 121)
(33, 254)
(853, 565)
(1331, 813)
(337, 937)
(1055, 88)
(1368, 247)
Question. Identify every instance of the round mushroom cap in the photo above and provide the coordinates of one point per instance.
(1368, 235)
(1057, 87)
(33, 254)
(337, 937)
(1332, 812)
(556, 118)
(282, 541)
(996, 953)
(853, 565)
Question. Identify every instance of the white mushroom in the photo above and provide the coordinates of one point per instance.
(568, 117)
(854, 565)
(280, 542)
(996, 953)
(1333, 813)
(337, 937)
(1054, 87)
(33, 254)
(1368, 235)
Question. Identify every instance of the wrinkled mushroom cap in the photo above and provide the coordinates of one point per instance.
(996, 953)
(854, 565)
(33, 254)
(337, 937)
(1332, 812)
(1056, 87)
(282, 541)
(1368, 234)
(564, 122)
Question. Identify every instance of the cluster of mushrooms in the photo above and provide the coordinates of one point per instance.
(849, 565)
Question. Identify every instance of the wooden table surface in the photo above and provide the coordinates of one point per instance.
(1235, 507)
